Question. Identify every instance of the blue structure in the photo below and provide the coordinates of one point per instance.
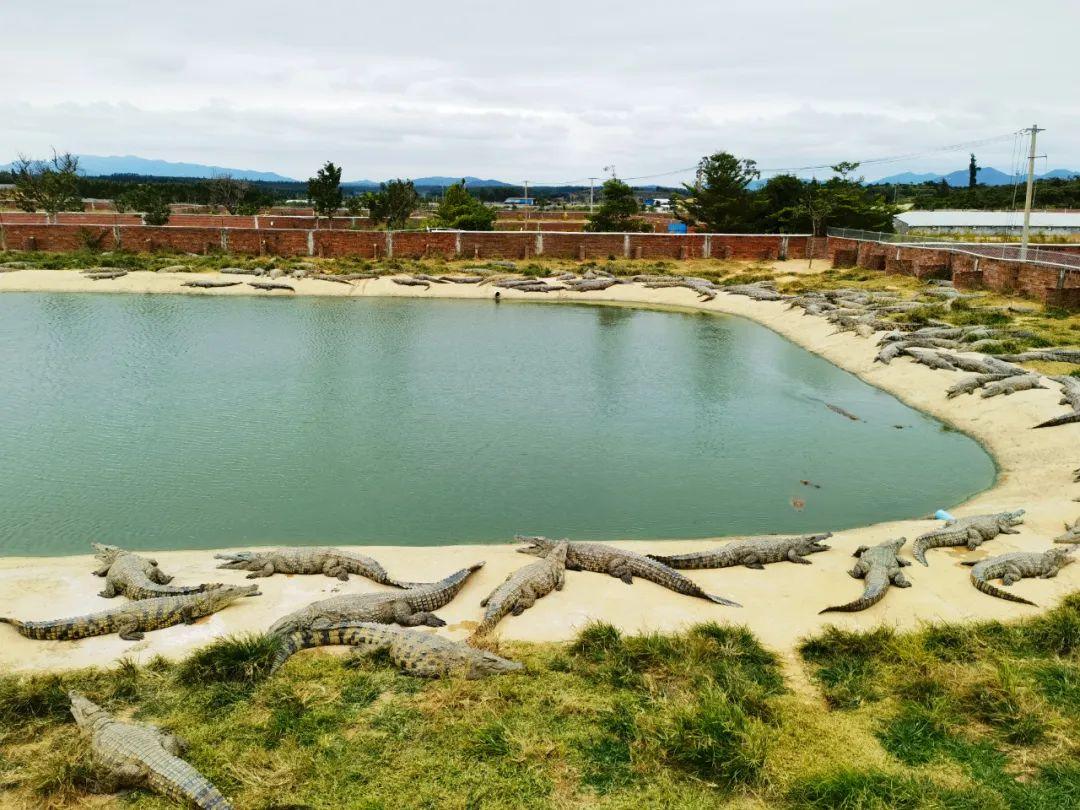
(676, 227)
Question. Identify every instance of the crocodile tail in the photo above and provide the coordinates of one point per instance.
(290, 644)
(1066, 419)
(992, 590)
(18, 625)
(920, 547)
(182, 783)
(405, 585)
(871, 596)
(719, 600)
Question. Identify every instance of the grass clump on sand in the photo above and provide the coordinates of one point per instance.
(996, 704)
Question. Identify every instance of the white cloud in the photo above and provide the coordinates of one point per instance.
(546, 92)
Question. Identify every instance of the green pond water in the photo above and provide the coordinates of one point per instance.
(160, 422)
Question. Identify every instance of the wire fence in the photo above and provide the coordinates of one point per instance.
(1036, 254)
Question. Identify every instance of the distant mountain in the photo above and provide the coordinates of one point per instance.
(988, 176)
(99, 166)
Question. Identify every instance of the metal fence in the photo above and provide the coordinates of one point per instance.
(1036, 254)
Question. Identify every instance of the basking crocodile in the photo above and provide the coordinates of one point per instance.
(142, 755)
(879, 566)
(1070, 395)
(969, 531)
(1010, 385)
(619, 563)
(1017, 565)
(210, 284)
(753, 552)
(417, 652)
(1071, 535)
(135, 577)
(409, 607)
(134, 619)
(329, 561)
(523, 587)
(271, 285)
(968, 385)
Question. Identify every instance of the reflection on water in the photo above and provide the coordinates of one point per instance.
(168, 421)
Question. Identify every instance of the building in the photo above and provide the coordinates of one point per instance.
(519, 201)
(1047, 223)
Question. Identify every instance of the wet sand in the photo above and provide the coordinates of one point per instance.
(781, 603)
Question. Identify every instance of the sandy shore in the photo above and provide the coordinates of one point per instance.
(781, 602)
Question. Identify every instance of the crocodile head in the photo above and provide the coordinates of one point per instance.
(536, 546)
(897, 544)
(815, 542)
(106, 554)
(218, 596)
(1011, 518)
(84, 711)
(487, 663)
(235, 560)
(1061, 556)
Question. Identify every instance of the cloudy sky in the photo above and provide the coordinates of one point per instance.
(546, 91)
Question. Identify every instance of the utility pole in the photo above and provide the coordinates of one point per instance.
(592, 185)
(526, 205)
(1030, 193)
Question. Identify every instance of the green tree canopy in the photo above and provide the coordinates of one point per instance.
(393, 203)
(719, 199)
(848, 203)
(617, 208)
(49, 185)
(324, 190)
(459, 209)
(151, 201)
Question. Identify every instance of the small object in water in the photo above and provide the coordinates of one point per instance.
(798, 504)
(807, 483)
(842, 412)
(498, 296)
(941, 514)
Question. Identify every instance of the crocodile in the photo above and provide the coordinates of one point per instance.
(1071, 535)
(411, 282)
(1017, 565)
(523, 587)
(329, 561)
(143, 755)
(1070, 395)
(591, 284)
(271, 285)
(619, 563)
(210, 284)
(106, 275)
(929, 358)
(419, 653)
(970, 531)
(880, 566)
(539, 286)
(133, 576)
(409, 607)
(969, 385)
(134, 619)
(1010, 385)
(753, 552)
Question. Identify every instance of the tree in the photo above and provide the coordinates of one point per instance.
(50, 185)
(324, 190)
(354, 205)
(719, 198)
(226, 191)
(973, 172)
(848, 203)
(459, 209)
(779, 205)
(151, 200)
(616, 210)
(393, 203)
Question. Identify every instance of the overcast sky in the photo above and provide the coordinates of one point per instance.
(547, 91)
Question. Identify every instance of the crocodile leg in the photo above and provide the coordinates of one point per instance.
(974, 539)
(266, 571)
(337, 571)
(407, 617)
(751, 560)
(1011, 575)
(526, 599)
(109, 592)
(900, 581)
(620, 570)
(794, 556)
(129, 630)
(103, 571)
(159, 576)
(560, 580)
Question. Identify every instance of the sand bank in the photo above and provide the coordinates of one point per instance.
(781, 602)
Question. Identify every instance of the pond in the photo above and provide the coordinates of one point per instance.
(165, 421)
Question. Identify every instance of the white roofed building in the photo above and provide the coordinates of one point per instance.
(1048, 223)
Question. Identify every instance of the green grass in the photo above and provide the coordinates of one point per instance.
(980, 715)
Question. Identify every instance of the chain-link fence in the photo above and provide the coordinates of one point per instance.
(1036, 254)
